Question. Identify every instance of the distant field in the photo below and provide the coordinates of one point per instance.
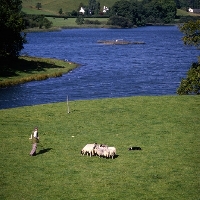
(71, 22)
(53, 6)
(35, 11)
(184, 13)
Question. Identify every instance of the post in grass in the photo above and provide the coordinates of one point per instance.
(67, 105)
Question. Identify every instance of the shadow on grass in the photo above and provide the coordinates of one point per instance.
(9, 67)
(116, 156)
(44, 151)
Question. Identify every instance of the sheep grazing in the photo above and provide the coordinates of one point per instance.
(99, 146)
(103, 145)
(88, 149)
(112, 152)
(101, 150)
(106, 153)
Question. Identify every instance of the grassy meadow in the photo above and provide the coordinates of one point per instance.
(185, 13)
(165, 127)
(71, 22)
(53, 7)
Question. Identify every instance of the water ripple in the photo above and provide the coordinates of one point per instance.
(153, 68)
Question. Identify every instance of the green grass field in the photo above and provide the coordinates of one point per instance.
(71, 22)
(165, 127)
(53, 7)
(184, 13)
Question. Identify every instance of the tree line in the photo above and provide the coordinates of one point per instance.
(127, 14)
(93, 6)
(139, 13)
(185, 4)
(191, 84)
(32, 21)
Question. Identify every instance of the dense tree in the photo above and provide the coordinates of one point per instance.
(46, 23)
(177, 2)
(80, 20)
(191, 31)
(60, 11)
(169, 9)
(74, 13)
(162, 11)
(191, 84)
(32, 21)
(187, 3)
(11, 25)
(121, 8)
(120, 21)
(38, 6)
(97, 8)
(92, 6)
(124, 13)
(141, 12)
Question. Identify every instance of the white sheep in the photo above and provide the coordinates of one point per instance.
(112, 152)
(101, 150)
(88, 149)
(106, 153)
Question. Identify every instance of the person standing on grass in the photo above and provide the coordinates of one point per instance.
(35, 139)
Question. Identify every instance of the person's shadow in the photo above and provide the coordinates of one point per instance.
(44, 151)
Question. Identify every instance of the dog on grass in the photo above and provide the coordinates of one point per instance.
(134, 148)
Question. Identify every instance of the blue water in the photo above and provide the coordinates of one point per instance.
(106, 71)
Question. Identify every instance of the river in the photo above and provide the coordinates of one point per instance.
(106, 71)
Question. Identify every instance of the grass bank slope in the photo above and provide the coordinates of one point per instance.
(185, 13)
(27, 69)
(167, 167)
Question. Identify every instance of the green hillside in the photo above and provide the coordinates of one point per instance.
(185, 13)
(53, 6)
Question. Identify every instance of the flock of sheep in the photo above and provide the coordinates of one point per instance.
(100, 150)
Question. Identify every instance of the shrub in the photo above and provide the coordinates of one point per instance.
(191, 85)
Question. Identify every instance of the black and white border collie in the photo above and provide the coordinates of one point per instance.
(134, 148)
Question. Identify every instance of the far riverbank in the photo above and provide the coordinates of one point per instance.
(70, 23)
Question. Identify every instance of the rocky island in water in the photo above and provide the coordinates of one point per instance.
(119, 41)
